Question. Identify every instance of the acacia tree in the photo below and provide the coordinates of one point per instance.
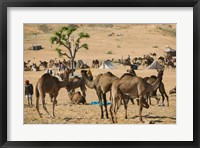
(64, 38)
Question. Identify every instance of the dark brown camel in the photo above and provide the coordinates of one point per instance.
(44, 64)
(102, 84)
(173, 90)
(130, 86)
(49, 84)
(95, 63)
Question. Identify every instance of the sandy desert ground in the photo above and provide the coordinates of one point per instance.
(136, 40)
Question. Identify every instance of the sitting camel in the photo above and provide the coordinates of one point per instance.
(130, 86)
(77, 98)
(49, 84)
(102, 84)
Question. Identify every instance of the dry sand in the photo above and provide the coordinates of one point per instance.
(137, 40)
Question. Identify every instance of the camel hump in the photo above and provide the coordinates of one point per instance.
(78, 92)
(46, 75)
(126, 74)
(153, 76)
(109, 73)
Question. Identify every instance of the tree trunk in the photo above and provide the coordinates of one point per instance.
(72, 65)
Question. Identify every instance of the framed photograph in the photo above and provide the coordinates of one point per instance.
(104, 73)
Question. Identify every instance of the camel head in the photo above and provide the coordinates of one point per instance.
(83, 72)
(67, 72)
(131, 71)
(160, 72)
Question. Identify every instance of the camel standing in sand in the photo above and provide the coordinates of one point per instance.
(102, 84)
(161, 88)
(49, 84)
(131, 86)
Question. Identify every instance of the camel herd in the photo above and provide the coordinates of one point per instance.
(122, 89)
(145, 61)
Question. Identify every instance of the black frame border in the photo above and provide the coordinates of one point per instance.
(4, 4)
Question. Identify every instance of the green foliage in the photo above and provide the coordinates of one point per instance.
(69, 29)
(60, 54)
(83, 35)
(85, 46)
(63, 37)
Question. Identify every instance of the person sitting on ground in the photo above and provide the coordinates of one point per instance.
(28, 92)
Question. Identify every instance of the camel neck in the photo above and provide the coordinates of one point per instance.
(88, 83)
(156, 84)
(62, 84)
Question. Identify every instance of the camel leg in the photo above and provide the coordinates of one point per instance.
(37, 106)
(43, 103)
(125, 107)
(51, 97)
(113, 110)
(164, 92)
(54, 103)
(105, 104)
(132, 100)
(125, 100)
(140, 110)
(167, 99)
(100, 103)
(83, 91)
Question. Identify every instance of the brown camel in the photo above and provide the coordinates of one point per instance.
(76, 82)
(43, 64)
(26, 67)
(49, 84)
(131, 86)
(173, 91)
(77, 98)
(102, 84)
(161, 88)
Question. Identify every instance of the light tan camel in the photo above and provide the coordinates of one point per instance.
(131, 86)
(102, 84)
(50, 84)
(77, 98)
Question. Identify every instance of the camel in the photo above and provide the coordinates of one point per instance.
(44, 64)
(131, 86)
(95, 64)
(26, 67)
(161, 88)
(170, 64)
(25, 64)
(102, 84)
(34, 67)
(76, 82)
(77, 98)
(173, 91)
(49, 84)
